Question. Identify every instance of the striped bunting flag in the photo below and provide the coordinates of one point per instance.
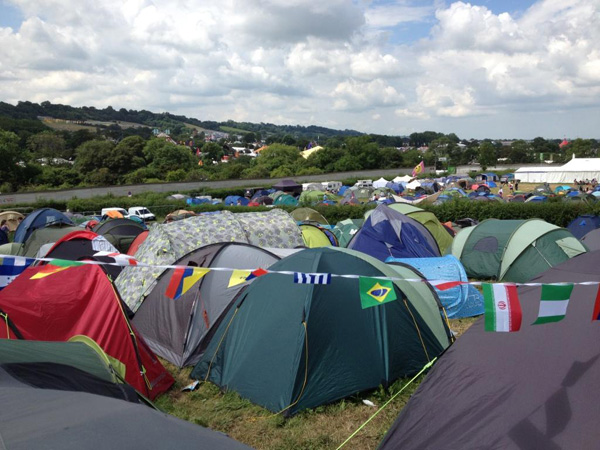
(312, 278)
(554, 302)
(11, 267)
(502, 307)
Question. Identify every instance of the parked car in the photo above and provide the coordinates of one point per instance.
(142, 212)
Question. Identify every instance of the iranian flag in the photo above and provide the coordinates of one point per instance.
(502, 307)
(554, 302)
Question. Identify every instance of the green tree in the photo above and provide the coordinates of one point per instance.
(520, 152)
(11, 156)
(212, 152)
(277, 155)
(48, 146)
(127, 156)
(92, 156)
(487, 155)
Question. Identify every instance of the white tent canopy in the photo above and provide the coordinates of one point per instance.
(382, 182)
(576, 169)
(403, 179)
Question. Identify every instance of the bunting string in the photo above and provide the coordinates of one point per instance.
(502, 309)
(439, 284)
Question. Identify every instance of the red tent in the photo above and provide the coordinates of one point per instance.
(80, 301)
(137, 242)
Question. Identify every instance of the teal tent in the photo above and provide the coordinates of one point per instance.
(513, 250)
(290, 346)
(345, 229)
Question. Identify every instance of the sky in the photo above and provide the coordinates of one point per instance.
(482, 69)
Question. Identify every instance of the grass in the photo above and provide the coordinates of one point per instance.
(233, 130)
(325, 427)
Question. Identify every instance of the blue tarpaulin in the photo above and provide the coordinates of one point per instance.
(460, 301)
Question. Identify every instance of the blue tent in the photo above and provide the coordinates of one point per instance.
(233, 200)
(197, 201)
(342, 190)
(582, 225)
(396, 187)
(387, 232)
(460, 301)
(40, 218)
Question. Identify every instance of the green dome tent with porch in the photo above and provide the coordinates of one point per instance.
(513, 250)
(290, 346)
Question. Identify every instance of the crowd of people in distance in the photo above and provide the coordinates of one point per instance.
(586, 185)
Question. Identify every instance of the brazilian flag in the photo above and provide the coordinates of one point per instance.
(374, 291)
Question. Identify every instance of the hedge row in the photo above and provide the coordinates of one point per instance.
(558, 213)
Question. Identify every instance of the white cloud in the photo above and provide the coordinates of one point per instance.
(329, 63)
(355, 95)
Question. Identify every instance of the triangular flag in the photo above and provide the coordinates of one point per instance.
(256, 273)
(55, 266)
(183, 279)
(238, 277)
(374, 292)
(554, 302)
(596, 314)
(502, 307)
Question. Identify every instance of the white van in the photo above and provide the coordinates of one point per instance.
(332, 186)
(142, 212)
(364, 183)
(122, 211)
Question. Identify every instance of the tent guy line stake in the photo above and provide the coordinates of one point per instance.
(136, 263)
(425, 367)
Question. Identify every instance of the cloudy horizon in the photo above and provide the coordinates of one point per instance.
(487, 68)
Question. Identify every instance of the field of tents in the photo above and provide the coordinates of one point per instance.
(283, 330)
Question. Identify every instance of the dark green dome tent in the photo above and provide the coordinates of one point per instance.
(513, 250)
(289, 346)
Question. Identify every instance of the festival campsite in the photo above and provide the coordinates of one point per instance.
(273, 319)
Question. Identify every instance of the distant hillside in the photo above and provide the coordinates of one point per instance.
(28, 110)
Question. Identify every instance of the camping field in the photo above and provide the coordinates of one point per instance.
(325, 427)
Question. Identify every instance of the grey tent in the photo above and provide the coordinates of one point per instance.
(48, 419)
(168, 242)
(533, 389)
(592, 239)
(177, 330)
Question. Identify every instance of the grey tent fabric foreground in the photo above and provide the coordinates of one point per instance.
(45, 419)
(533, 389)
(176, 330)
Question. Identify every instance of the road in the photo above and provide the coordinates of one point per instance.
(123, 190)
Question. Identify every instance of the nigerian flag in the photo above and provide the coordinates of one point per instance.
(554, 302)
(374, 291)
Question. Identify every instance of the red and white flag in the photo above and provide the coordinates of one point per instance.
(121, 259)
(501, 307)
(443, 285)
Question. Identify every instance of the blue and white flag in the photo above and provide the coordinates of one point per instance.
(312, 278)
(11, 267)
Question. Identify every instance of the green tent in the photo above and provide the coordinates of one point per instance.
(315, 236)
(44, 236)
(285, 199)
(513, 250)
(345, 229)
(89, 358)
(289, 346)
(308, 215)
